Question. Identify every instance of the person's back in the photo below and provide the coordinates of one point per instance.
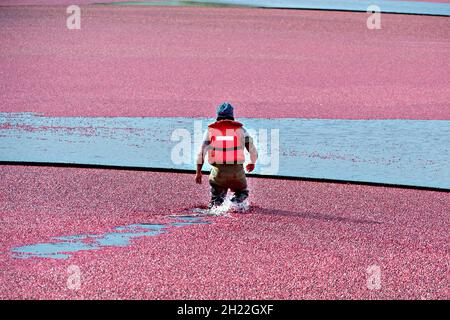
(224, 142)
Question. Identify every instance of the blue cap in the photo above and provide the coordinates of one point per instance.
(225, 110)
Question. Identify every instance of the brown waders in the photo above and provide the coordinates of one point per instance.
(224, 177)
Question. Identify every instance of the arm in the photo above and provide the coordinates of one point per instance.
(250, 146)
(200, 158)
(198, 173)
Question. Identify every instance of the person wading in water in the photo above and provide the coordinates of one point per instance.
(224, 142)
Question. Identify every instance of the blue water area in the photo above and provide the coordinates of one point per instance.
(387, 6)
(63, 247)
(405, 152)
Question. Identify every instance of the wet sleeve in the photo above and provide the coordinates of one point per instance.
(248, 140)
(203, 148)
(250, 146)
(206, 141)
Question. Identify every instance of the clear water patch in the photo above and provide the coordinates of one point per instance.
(64, 247)
(403, 152)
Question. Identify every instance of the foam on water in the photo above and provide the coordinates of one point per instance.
(226, 209)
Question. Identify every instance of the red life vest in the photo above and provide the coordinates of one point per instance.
(226, 142)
